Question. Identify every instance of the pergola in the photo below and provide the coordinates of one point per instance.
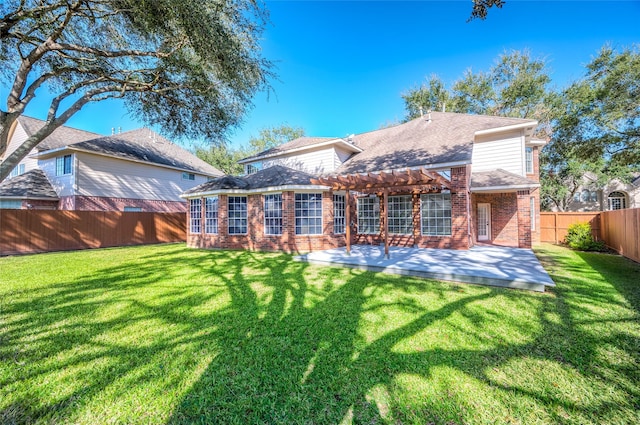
(385, 183)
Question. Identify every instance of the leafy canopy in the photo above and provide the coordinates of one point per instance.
(189, 67)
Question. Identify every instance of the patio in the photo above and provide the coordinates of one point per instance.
(484, 265)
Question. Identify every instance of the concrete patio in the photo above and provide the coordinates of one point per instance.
(485, 265)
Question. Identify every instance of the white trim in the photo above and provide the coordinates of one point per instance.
(336, 141)
(28, 198)
(536, 142)
(433, 167)
(260, 191)
(524, 125)
(507, 188)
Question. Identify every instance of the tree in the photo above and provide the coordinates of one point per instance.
(271, 137)
(189, 67)
(516, 86)
(481, 8)
(223, 157)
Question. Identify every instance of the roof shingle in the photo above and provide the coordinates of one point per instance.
(32, 184)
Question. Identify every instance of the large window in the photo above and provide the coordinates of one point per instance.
(195, 215)
(237, 215)
(436, 214)
(339, 214)
(211, 215)
(617, 201)
(273, 214)
(369, 216)
(400, 215)
(64, 165)
(308, 211)
(528, 155)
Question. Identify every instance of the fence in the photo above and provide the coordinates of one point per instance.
(30, 231)
(621, 231)
(554, 225)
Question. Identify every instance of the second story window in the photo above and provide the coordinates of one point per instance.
(188, 176)
(528, 160)
(64, 165)
(253, 168)
(19, 169)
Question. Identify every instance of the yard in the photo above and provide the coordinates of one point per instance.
(166, 334)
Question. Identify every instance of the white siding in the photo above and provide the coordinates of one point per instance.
(502, 151)
(110, 177)
(341, 155)
(63, 185)
(314, 162)
(19, 136)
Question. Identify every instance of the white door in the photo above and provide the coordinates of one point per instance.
(484, 222)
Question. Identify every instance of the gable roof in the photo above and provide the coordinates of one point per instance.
(445, 138)
(141, 145)
(61, 136)
(33, 184)
(274, 177)
(301, 143)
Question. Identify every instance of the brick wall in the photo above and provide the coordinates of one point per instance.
(95, 203)
(255, 239)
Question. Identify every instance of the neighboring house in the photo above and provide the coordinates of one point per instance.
(615, 195)
(77, 170)
(444, 180)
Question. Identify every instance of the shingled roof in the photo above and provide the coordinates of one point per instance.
(33, 184)
(444, 138)
(275, 176)
(499, 179)
(138, 145)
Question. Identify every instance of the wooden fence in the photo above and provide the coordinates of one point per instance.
(554, 225)
(30, 231)
(621, 231)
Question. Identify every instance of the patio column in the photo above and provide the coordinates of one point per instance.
(386, 222)
(347, 218)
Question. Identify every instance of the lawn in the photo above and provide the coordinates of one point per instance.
(166, 334)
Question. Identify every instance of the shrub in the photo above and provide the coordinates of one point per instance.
(579, 237)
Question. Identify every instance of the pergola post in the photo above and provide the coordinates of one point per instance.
(386, 222)
(347, 223)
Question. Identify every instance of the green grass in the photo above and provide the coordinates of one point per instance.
(166, 334)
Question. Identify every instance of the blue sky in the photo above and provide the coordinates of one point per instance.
(342, 66)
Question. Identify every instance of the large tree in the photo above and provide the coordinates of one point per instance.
(270, 137)
(189, 67)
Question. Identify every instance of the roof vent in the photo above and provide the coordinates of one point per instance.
(350, 138)
(428, 115)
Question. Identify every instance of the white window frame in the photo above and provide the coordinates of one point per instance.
(436, 218)
(17, 170)
(254, 167)
(339, 214)
(273, 214)
(61, 165)
(188, 176)
(369, 215)
(616, 200)
(237, 216)
(195, 215)
(211, 215)
(528, 159)
(399, 218)
(306, 210)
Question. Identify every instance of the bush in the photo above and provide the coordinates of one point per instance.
(579, 237)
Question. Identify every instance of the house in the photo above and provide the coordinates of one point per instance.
(614, 195)
(444, 180)
(78, 170)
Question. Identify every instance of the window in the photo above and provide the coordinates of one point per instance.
(254, 168)
(188, 176)
(436, 214)
(532, 212)
(273, 214)
(593, 196)
(585, 196)
(7, 204)
(63, 165)
(338, 214)
(132, 209)
(17, 170)
(369, 216)
(308, 211)
(195, 215)
(617, 201)
(211, 215)
(237, 215)
(400, 215)
(528, 160)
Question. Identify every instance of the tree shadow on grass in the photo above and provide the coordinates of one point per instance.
(238, 337)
